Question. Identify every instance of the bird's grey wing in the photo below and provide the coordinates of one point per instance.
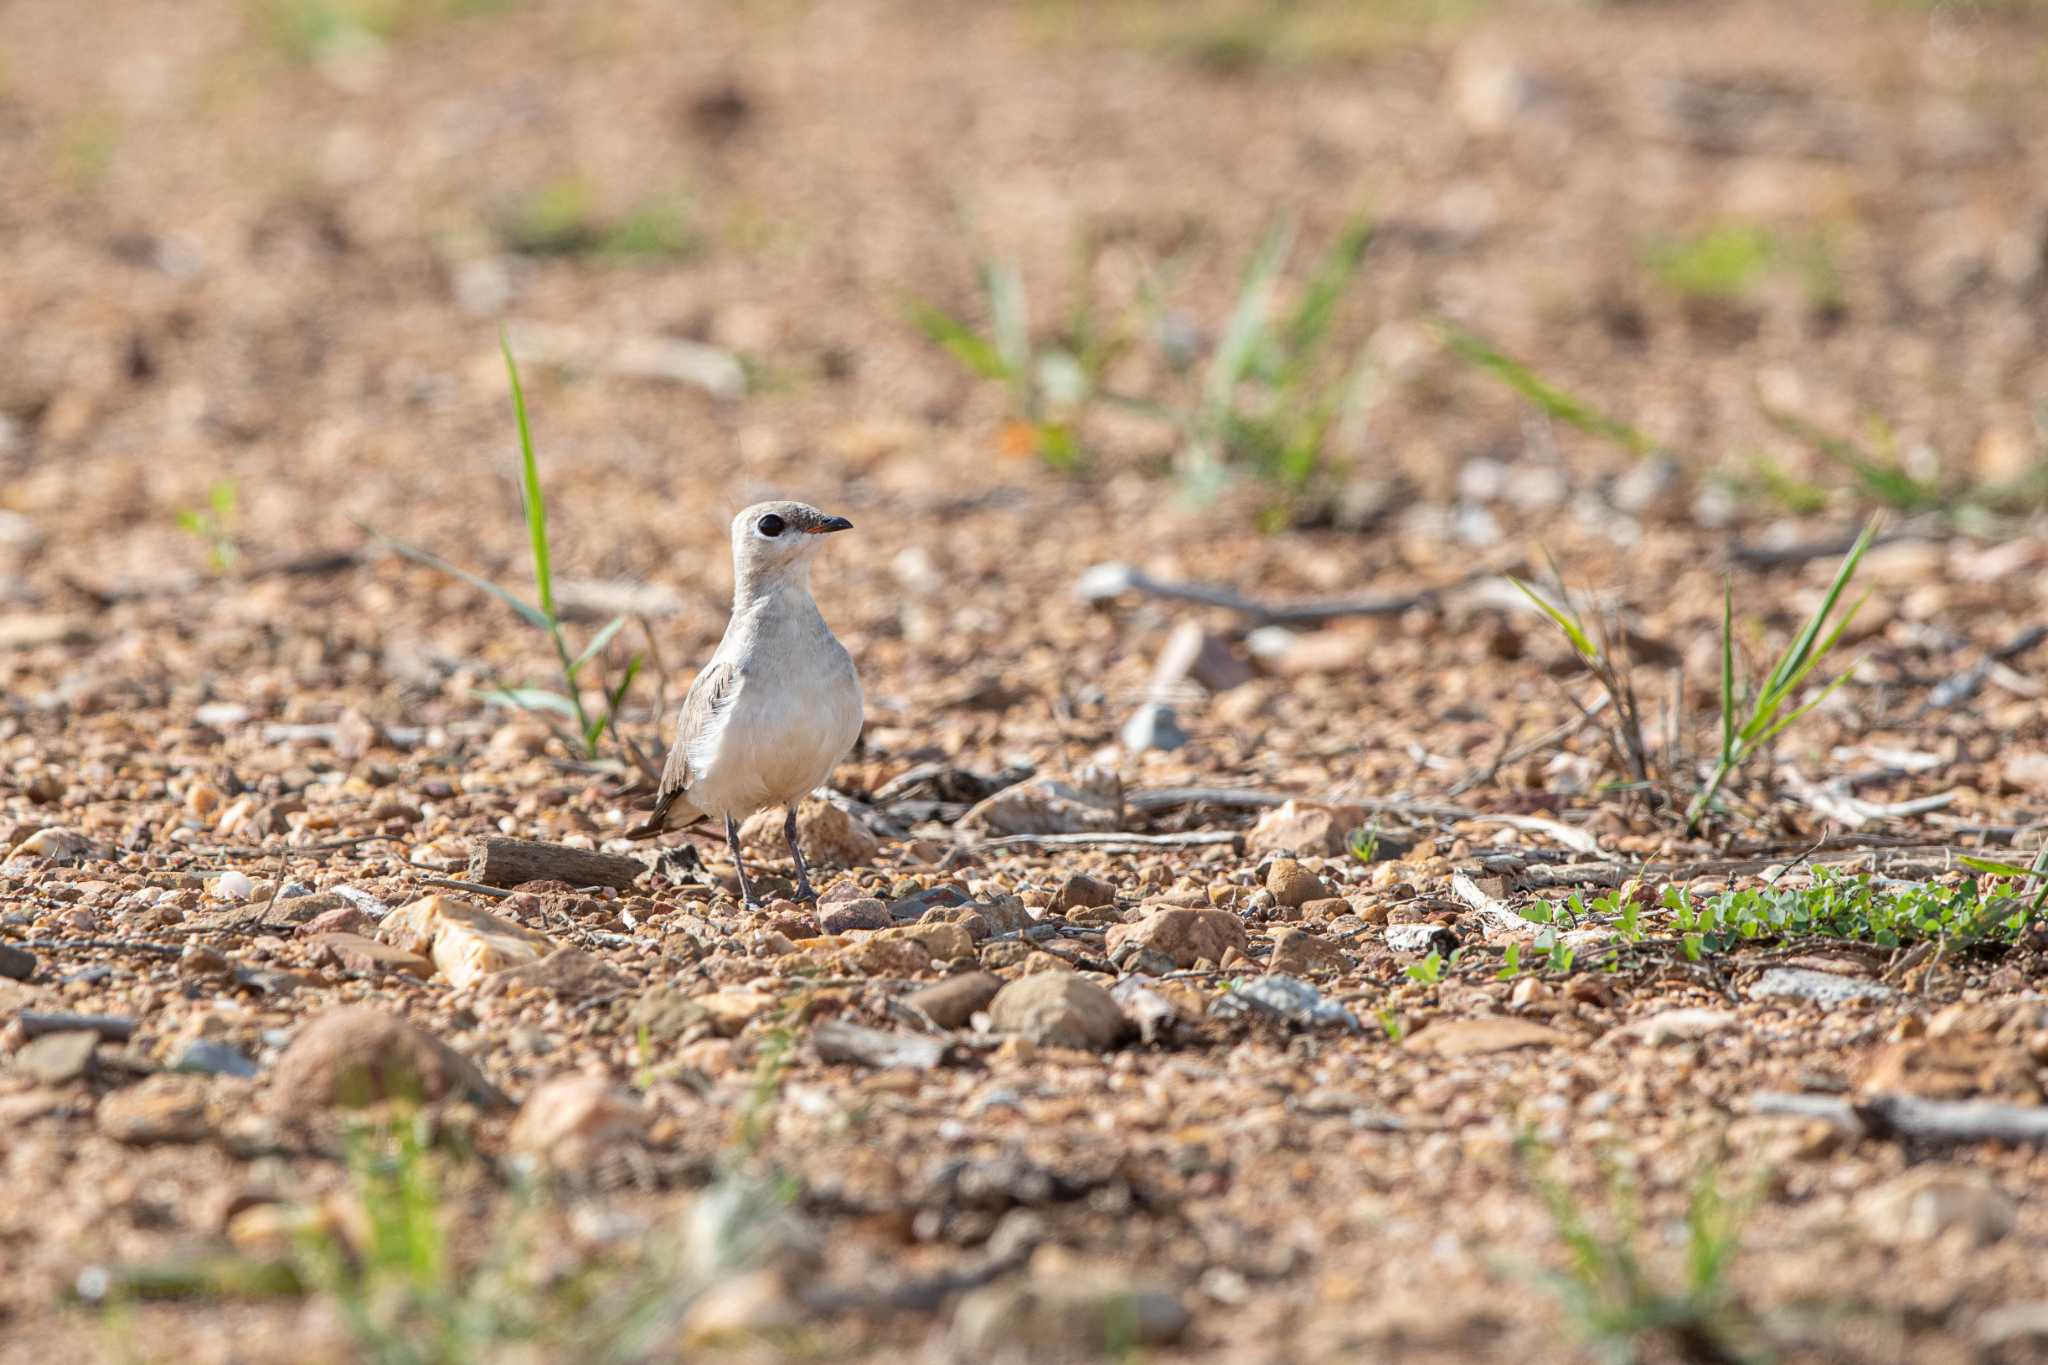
(704, 710)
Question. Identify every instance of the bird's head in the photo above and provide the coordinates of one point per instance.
(775, 540)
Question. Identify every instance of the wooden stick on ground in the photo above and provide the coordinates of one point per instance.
(495, 860)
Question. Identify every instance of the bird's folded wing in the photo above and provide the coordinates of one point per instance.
(705, 710)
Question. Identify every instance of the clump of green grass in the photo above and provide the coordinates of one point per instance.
(216, 524)
(1748, 727)
(1624, 1298)
(567, 704)
(562, 218)
(1724, 262)
(1049, 382)
(317, 31)
(1275, 387)
(1750, 720)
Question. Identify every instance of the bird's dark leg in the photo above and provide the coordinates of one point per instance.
(804, 889)
(739, 864)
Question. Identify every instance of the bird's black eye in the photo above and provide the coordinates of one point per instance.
(771, 525)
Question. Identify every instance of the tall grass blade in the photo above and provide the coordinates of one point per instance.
(1796, 656)
(957, 339)
(1572, 629)
(1009, 317)
(1562, 406)
(1246, 330)
(527, 611)
(598, 642)
(1727, 672)
(529, 490)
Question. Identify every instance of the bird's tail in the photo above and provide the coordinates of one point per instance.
(670, 813)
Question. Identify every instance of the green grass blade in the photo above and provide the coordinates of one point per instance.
(529, 490)
(1772, 731)
(1009, 316)
(598, 642)
(1727, 672)
(973, 351)
(1317, 307)
(1572, 629)
(530, 699)
(1885, 482)
(527, 611)
(1994, 867)
(1246, 330)
(1562, 406)
(1796, 657)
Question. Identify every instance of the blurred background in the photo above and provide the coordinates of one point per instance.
(1293, 295)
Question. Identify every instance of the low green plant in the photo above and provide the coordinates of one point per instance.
(1275, 388)
(1621, 1293)
(562, 218)
(1511, 963)
(1611, 668)
(216, 524)
(1391, 1025)
(1429, 971)
(1050, 383)
(1859, 908)
(1747, 727)
(1547, 397)
(1364, 845)
(1726, 261)
(567, 704)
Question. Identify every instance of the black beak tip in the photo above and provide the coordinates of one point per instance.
(831, 524)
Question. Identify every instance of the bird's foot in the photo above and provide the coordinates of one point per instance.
(805, 893)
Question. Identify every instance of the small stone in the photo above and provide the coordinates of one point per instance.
(865, 913)
(392, 806)
(967, 917)
(342, 919)
(1293, 885)
(1093, 802)
(57, 1058)
(570, 1121)
(952, 1002)
(1305, 827)
(1929, 1202)
(163, 1108)
(1818, 988)
(945, 942)
(568, 973)
(1186, 936)
(231, 886)
(356, 1055)
(467, 942)
(206, 1057)
(1005, 913)
(886, 957)
(827, 833)
(354, 953)
(1069, 1317)
(1080, 892)
(1058, 1009)
(198, 962)
(1325, 909)
(1674, 1026)
(16, 964)
(1301, 953)
(59, 846)
(1098, 916)
(1476, 1037)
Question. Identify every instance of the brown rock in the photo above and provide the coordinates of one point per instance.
(353, 952)
(865, 912)
(57, 1058)
(567, 972)
(1306, 827)
(1058, 1009)
(198, 962)
(828, 835)
(336, 919)
(968, 917)
(466, 941)
(355, 1055)
(1475, 1037)
(163, 1108)
(1098, 915)
(1952, 1067)
(886, 957)
(1929, 1202)
(1297, 952)
(952, 1002)
(1184, 935)
(1093, 802)
(946, 942)
(1080, 892)
(1325, 909)
(570, 1121)
(1293, 885)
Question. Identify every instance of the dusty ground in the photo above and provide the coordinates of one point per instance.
(246, 249)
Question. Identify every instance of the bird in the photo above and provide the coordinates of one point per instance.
(778, 705)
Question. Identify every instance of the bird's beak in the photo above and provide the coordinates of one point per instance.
(829, 525)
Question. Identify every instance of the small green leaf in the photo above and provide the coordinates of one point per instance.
(957, 339)
(599, 641)
(1572, 629)
(527, 612)
(1993, 866)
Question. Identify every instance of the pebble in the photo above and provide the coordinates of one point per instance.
(356, 1055)
(1185, 936)
(231, 886)
(1293, 885)
(16, 964)
(210, 1058)
(1819, 988)
(1058, 1009)
(57, 1058)
(163, 1108)
(1069, 1317)
(952, 1002)
(1929, 1202)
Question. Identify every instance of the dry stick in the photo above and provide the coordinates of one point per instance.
(1912, 1118)
(451, 884)
(1498, 918)
(1105, 581)
(1115, 842)
(496, 860)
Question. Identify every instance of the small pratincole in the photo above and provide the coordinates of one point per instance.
(778, 705)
